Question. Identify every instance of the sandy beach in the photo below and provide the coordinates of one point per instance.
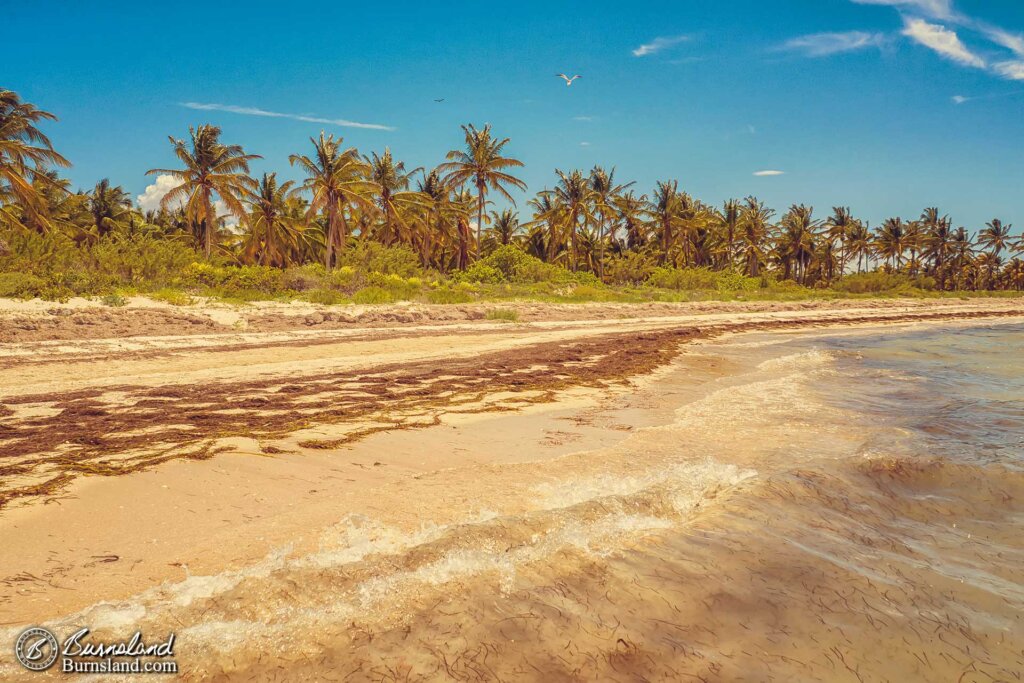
(213, 439)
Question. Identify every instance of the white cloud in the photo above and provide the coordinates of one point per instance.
(943, 41)
(150, 199)
(764, 174)
(253, 111)
(824, 44)
(1011, 41)
(658, 44)
(936, 9)
(583, 118)
(960, 99)
(1012, 70)
(584, 144)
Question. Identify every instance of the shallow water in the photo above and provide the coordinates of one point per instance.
(846, 506)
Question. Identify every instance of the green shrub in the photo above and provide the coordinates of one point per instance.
(505, 314)
(374, 295)
(880, 281)
(682, 278)
(174, 297)
(327, 297)
(632, 268)
(114, 300)
(21, 285)
(449, 296)
(370, 257)
(482, 272)
(304, 278)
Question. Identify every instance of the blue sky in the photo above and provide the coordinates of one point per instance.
(853, 100)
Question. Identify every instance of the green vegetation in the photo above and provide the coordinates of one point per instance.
(355, 230)
(504, 314)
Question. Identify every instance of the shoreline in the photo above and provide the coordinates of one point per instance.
(205, 516)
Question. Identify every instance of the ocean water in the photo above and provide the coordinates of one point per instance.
(845, 506)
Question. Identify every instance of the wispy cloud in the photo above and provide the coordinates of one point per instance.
(825, 44)
(935, 9)
(947, 43)
(583, 118)
(1012, 70)
(943, 41)
(1011, 41)
(769, 173)
(960, 99)
(253, 111)
(659, 44)
(584, 144)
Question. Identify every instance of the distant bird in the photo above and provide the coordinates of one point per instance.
(568, 81)
(440, 100)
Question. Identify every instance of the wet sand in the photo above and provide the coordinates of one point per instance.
(233, 446)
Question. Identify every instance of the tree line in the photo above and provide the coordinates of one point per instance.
(585, 221)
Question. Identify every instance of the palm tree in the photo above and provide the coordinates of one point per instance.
(336, 178)
(110, 207)
(605, 191)
(394, 199)
(25, 156)
(838, 227)
(546, 228)
(995, 236)
(891, 241)
(858, 244)
(797, 241)
(729, 221)
(755, 226)
(632, 212)
(482, 164)
(272, 231)
(666, 214)
(505, 226)
(211, 167)
(573, 191)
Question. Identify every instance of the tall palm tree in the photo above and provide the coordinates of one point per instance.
(666, 213)
(838, 227)
(272, 230)
(574, 192)
(995, 236)
(394, 199)
(336, 177)
(26, 154)
(858, 244)
(211, 167)
(605, 191)
(547, 226)
(482, 164)
(729, 221)
(632, 212)
(891, 241)
(797, 241)
(755, 226)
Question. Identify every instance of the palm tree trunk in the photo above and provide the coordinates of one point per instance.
(207, 224)
(481, 193)
(331, 220)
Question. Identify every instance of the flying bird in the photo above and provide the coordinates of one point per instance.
(440, 100)
(568, 81)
